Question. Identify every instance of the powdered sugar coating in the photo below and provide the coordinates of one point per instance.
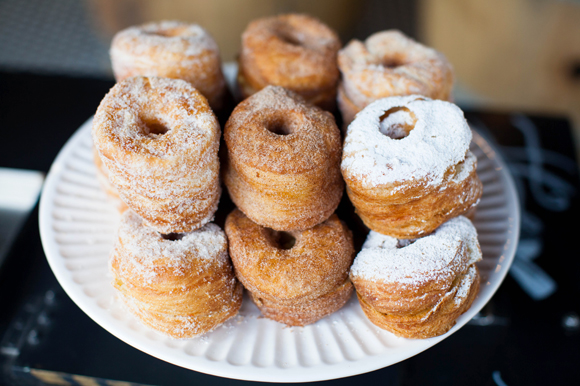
(465, 285)
(439, 140)
(428, 259)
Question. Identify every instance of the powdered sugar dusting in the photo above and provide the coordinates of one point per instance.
(465, 285)
(450, 250)
(439, 140)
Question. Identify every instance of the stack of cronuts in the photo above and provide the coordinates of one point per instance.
(404, 157)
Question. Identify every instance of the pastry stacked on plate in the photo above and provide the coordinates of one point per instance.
(406, 163)
(410, 175)
(283, 172)
(157, 140)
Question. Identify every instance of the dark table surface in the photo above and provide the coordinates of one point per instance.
(515, 341)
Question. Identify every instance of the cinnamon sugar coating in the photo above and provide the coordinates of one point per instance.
(297, 277)
(181, 288)
(418, 288)
(285, 181)
(159, 139)
(407, 165)
(387, 64)
(294, 51)
(171, 49)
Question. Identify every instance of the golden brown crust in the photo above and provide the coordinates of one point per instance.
(387, 64)
(294, 51)
(283, 181)
(159, 140)
(417, 211)
(304, 282)
(171, 49)
(425, 323)
(182, 287)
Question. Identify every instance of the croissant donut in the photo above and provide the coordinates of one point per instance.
(407, 165)
(418, 288)
(181, 286)
(159, 140)
(103, 178)
(294, 278)
(387, 64)
(171, 49)
(283, 170)
(294, 51)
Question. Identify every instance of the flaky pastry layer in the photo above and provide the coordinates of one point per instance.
(305, 313)
(182, 287)
(159, 140)
(302, 281)
(417, 210)
(106, 186)
(407, 165)
(283, 168)
(432, 322)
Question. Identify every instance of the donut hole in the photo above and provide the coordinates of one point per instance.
(172, 236)
(282, 240)
(404, 243)
(154, 127)
(397, 122)
(279, 126)
(170, 32)
(289, 37)
(393, 62)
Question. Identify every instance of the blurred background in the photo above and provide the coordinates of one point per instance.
(508, 55)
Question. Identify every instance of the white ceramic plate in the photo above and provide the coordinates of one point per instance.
(78, 227)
